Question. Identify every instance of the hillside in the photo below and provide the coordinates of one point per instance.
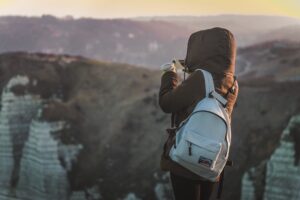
(102, 104)
(99, 128)
(287, 33)
(275, 60)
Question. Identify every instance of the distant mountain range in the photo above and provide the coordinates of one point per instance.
(120, 40)
(147, 42)
(248, 29)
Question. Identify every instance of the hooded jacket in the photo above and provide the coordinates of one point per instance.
(213, 50)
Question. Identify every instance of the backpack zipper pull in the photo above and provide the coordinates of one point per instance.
(190, 149)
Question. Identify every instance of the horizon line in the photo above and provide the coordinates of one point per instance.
(146, 16)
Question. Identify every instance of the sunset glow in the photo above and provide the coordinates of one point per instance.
(133, 8)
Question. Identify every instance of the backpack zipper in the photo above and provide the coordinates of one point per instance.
(190, 149)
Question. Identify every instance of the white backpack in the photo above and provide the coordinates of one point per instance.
(203, 139)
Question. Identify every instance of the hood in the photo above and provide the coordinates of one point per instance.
(213, 50)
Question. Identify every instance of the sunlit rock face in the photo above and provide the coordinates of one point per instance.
(279, 177)
(40, 155)
(15, 118)
(283, 170)
(33, 160)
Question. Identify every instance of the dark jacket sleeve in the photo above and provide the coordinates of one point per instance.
(174, 97)
(232, 97)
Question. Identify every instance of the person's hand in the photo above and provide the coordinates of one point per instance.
(168, 67)
(177, 64)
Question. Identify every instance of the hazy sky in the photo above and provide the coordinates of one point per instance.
(132, 8)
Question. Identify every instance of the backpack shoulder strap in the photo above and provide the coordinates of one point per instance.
(210, 87)
(208, 80)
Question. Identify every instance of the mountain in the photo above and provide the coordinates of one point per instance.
(248, 29)
(287, 33)
(147, 42)
(75, 128)
(276, 60)
(122, 40)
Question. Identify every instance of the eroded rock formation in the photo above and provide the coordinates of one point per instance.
(40, 155)
(33, 160)
(279, 177)
(15, 117)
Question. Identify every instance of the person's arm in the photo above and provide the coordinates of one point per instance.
(232, 98)
(174, 97)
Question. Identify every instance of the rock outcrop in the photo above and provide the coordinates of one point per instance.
(34, 162)
(15, 117)
(41, 156)
(279, 177)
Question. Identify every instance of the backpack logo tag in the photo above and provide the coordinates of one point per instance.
(205, 161)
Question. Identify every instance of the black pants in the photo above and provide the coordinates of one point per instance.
(186, 189)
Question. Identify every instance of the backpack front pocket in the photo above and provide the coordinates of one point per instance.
(198, 150)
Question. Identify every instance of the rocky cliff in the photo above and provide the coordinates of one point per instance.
(70, 126)
(278, 177)
(16, 114)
